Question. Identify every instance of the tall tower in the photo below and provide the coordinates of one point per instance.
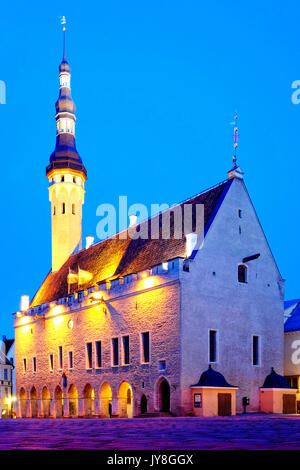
(66, 175)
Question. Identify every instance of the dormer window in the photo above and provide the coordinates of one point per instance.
(242, 273)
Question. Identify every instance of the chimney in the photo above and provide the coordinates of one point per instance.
(191, 241)
(132, 220)
(89, 240)
(24, 302)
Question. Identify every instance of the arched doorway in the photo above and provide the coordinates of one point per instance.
(125, 401)
(73, 402)
(34, 403)
(46, 402)
(58, 402)
(23, 403)
(163, 395)
(144, 404)
(105, 401)
(88, 398)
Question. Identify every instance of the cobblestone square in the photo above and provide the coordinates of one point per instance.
(252, 432)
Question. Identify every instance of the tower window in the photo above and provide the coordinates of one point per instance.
(74, 179)
(240, 213)
(62, 179)
(242, 273)
(73, 209)
(53, 210)
(63, 208)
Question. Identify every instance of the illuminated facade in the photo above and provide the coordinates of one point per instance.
(127, 326)
(7, 377)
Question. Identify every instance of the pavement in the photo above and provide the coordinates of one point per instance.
(251, 432)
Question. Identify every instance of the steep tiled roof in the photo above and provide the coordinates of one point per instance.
(116, 257)
(293, 322)
(8, 344)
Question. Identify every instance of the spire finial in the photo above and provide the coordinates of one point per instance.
(63, 23)
(235, 140)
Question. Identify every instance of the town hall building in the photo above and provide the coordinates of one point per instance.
(129, 326)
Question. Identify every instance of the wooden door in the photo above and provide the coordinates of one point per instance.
(289, 403)
(224, 404)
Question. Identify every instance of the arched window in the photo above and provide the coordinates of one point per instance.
(73, 209)
(63, 208)
(242, 273)
(62, 179)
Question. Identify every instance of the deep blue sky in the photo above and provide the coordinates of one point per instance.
(156, 84)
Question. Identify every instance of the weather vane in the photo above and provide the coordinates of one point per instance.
(63, 22)
(235, 139)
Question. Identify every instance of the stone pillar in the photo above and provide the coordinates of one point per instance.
(115, 408)
(96, 407)
(40, 409)
(80, 408)
(66, 407)
(52, 409)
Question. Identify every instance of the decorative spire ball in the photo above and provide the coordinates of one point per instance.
(235, 141)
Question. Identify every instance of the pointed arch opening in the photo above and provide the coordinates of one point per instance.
(105, 401)
(144, 404)
(45, 402)
(34, 402)
(58, 402)
(125, 401)
(73, 401)
(88, 398)
(163, 395)
(23, 403)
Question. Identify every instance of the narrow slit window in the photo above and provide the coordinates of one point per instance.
(125, 350)
(34, 364)
(24, 365)
(51, 362)
(60, 357)
(98, 354)
(255, 350)
(54, 209)
(70, 360)
(115, 351)
(212, 346)
(89, 356)
(63, 208)
(73, 209)
(145, 347)
(242, 273)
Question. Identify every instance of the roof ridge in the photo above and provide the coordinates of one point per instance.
(155, 215)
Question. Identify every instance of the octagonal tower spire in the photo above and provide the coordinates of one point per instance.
(66, 173)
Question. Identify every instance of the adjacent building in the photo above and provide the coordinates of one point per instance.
(128, 326)
(7, 377)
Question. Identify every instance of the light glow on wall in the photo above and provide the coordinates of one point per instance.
(148, 282)
(24, 302)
